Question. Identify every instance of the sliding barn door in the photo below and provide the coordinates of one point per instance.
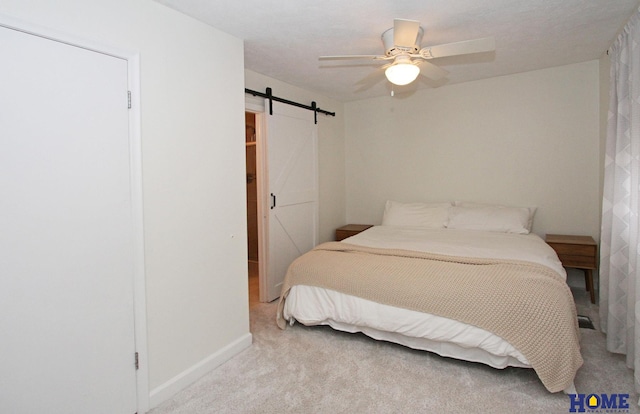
(291, 146)
(66, 238)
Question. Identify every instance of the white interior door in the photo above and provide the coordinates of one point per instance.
(66, 244)
(291, 147)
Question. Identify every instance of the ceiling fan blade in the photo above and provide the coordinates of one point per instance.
(405, 32)
(346, 57)
(369, 80)
(485, 44)
(431, 71)
(374, 76)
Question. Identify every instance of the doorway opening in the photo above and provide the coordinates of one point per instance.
(252, 208)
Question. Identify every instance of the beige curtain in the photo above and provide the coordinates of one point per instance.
(620, 242)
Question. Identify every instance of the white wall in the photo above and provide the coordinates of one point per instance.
(529, 139)
(331, 159)
(192, 122)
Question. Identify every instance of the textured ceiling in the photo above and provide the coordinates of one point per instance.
(284, 38)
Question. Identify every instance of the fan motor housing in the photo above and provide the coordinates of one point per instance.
(390, 49)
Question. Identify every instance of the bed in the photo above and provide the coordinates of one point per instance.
(464, 281)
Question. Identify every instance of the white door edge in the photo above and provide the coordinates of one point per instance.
(139, 288)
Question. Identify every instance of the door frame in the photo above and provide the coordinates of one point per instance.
(135, 166)
(256, 107)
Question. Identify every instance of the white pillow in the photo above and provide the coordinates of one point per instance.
(498, 219)
(532, 210)
(426, 215)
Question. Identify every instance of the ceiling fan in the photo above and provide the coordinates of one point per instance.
(408, 59)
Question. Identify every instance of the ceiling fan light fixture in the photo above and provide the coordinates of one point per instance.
(402, 73)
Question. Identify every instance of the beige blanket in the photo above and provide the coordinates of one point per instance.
(528, 305)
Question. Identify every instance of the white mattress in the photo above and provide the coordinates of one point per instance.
(316, 306)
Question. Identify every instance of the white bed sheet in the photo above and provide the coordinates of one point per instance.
(316, 306)
(467, 243)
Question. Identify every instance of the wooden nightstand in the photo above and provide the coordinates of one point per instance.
(350, 230)
(579, 252)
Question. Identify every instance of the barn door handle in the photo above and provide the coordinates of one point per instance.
(273, 201)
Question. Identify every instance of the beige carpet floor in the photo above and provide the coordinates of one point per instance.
(319, 370)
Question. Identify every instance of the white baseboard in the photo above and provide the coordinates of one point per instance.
(187, 377)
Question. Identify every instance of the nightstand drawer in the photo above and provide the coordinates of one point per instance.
(580, 262)
(573, 249)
